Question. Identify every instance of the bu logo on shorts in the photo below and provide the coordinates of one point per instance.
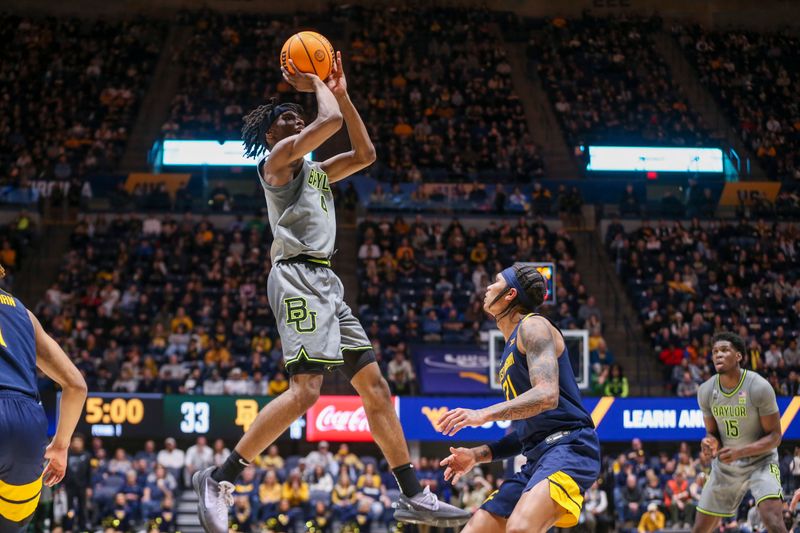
(298, 315)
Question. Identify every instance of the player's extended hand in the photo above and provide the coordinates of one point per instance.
(455, 420)
(459, 462)
(795, 500)
(709, 446)
(301, 81)
(336, 82)
(56, 465)
(728, 455)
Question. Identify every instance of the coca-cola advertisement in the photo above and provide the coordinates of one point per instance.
(339, 418)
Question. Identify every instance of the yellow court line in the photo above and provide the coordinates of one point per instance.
(601, 409)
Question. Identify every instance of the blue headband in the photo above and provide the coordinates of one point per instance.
(276, 112)
(513, 283)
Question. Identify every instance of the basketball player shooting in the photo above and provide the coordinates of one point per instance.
(318, 330)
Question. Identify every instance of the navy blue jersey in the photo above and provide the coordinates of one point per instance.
(570, 413)
(17, 347)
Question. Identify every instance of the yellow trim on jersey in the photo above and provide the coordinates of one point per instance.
(18, 502)
(304, 355)
(20, 493)
(770, 497)
(734, 391)
(566, 493)
(712, 513)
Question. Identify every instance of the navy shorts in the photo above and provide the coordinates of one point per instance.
(23, 439)
(570, 461)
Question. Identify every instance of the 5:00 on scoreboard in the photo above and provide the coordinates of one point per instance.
(157, 416)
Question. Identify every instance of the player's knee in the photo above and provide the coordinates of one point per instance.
(376, 393)
(306, 392)
(519, 526)
(774, 522)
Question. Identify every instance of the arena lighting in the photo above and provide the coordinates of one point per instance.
(212, 153)
(654, 159)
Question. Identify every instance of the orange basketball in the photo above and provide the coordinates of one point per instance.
(311, 52)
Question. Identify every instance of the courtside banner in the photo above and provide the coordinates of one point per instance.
(616, 419)
(339, 419)
(747, 192)
(452, 369)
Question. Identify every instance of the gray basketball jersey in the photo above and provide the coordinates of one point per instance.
(738, 412)
(301, 214)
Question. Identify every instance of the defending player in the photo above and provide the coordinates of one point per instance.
(740, 411)
(317, 328)
(23, 425)
(551, 427)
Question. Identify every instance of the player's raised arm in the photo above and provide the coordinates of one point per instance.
(292, 148)
(536, 341)
(52, 360)
(362, 153)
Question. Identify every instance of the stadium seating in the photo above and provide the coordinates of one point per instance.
(608, 85)
(753, 76)
(70, 91)
(425, 282)
(434, 88)
(690, 281)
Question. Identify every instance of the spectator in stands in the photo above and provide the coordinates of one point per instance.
(629, 204)
(595, 508)
(77, 478)
(630, 500)
(588, 309)
(296, 492)
(171, 458)
(320, 481)
(270, 493)
(323, 457)
(278, 384)
(198, 457)
(214, 385)
(344, 498)
(220, 452)
(679, 500)
(617, 384)
(652, 520)
(401, 376)
(272, 460)
(687, 388)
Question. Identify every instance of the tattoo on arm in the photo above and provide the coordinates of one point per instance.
(483, 454)
(540, 351)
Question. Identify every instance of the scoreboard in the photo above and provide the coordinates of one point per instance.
(548, 271)
(159, 416)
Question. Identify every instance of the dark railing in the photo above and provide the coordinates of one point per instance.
(634, 344)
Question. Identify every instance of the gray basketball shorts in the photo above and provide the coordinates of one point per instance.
(314, 322)
(727, 485)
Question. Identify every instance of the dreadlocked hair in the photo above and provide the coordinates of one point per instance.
(534, 285)
(256, 125)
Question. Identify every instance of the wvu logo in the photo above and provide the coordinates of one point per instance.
(298, 315)
(433, 415)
